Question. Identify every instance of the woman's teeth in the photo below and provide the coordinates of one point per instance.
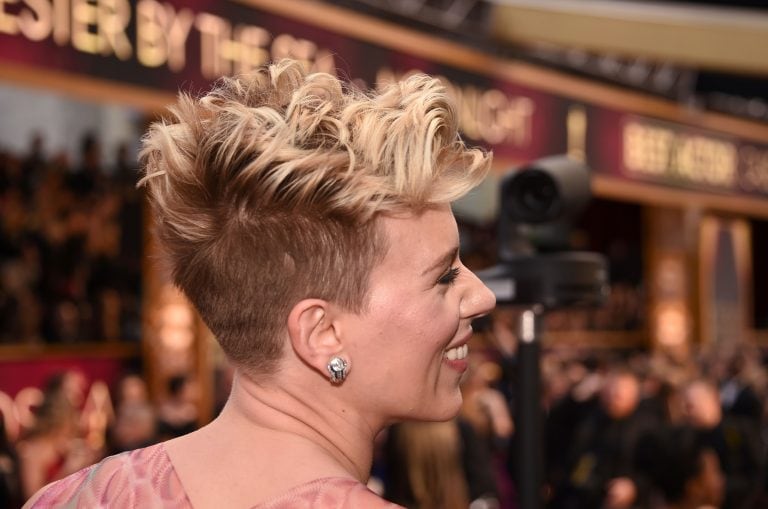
(458, 353)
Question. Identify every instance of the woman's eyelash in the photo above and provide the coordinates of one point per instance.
(449, 277)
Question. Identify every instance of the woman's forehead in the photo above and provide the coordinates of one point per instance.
(422, 239)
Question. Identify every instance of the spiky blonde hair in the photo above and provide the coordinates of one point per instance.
(266, 189)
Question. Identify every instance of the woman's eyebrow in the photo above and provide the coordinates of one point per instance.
(443, 261)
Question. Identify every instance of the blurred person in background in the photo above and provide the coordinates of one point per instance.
(177, 414)
(742, 386)
(131, 389)
(310, 224)
(661, 388)
(11, 177)
(135, 423)
(683, 471)
(736, 441)
(88, 178)
(33, 165)
(10, 483)
(425, 467)
(20, 271)
(600, 469)
(135, 426)
(21, 312)
(484, 406)
(569, 391)
(54, 446)
(128, 264)
(438, 465)
(102, 251)
(125, 173)
(486, 410)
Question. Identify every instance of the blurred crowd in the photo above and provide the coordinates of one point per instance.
(622, 429)
(73, 422)
(655, 431)
(70, 245)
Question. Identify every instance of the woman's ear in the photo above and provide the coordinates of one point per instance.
(313, 333)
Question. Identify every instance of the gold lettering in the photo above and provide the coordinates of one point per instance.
(27, 399)
(253, 42)
(36, 22)
(151, 49)
(467, 106)
(519, 120)
(287, 46)
(178, 32)
(8, 22)
(633, 150)
(8, 414)
(658, 151)
(727, 160)
(282, 46)
(161, 34)
(576, 126)
(646, 149)
(499, 119)
(705, 160)
(489, 115)
(84, 23)
(304, 50)
(114, 16)
(724, 163)
(492, 102)
(100, 27)
(385, 77)
(61, 22)
(214, 32)
(682, 159)
(324, 62)
(755, 164)
(632, 138)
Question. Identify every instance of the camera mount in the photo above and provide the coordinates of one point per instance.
(537, 271)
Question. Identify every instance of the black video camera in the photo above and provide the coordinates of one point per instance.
(538, 205)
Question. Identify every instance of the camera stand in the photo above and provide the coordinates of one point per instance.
(528, 409)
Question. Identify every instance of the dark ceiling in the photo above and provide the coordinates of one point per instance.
(466, 21)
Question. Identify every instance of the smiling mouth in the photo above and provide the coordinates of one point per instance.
(458, 353)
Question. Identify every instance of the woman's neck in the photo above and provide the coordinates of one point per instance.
(297, 414)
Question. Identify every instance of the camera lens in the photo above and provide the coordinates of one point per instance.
(537, 193)
(534, 197)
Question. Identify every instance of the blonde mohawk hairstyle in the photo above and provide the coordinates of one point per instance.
(265, 190)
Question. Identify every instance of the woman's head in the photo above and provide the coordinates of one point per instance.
(268, 189)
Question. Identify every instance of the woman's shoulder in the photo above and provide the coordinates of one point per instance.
(329, 493)
(140, 478)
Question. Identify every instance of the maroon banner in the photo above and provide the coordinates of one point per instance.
(639, 148)
(168, 45)
(172, 44)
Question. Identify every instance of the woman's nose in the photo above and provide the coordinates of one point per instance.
(479, 299)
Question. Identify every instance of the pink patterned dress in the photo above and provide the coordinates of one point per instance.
(145, 478)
